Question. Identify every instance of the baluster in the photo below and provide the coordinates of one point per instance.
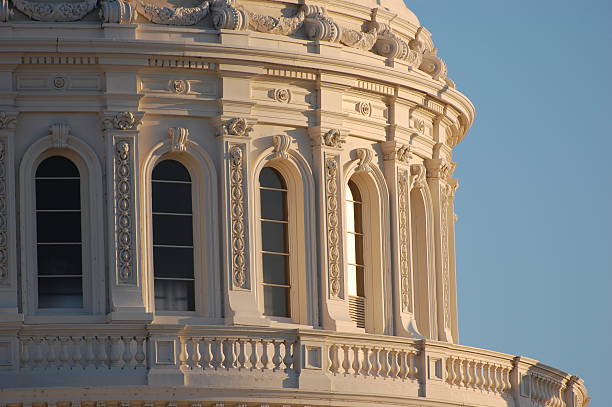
(102, 354)
(276, 359)
(346, 363)
(481, 375)
(413, 367)
(140, 354)
(241, 354)
(207, 356)
(37, 357)
(395, 368)
(469, 380)
(217, 358)
(385, 363)
(264, 354)
(500, 373)
(535, 389)
(89, 353)
(333, 358)
(254, 358)
(366, 361)
(450, 374)
(288, 359)
(223, 353)
(487, 378)
(230, 346)
(77, 355)
(507, 383)
(64, 355)
(376, 360)
(51, 353)
(356, 360)
(127, 351)
(115, 352)
(25, 353)
(183, 353)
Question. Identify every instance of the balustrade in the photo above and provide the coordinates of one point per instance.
(546, 391)
(469, 373)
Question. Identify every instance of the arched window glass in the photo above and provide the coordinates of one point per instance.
(58, 234)
(354, 258)
(274, 243)
(173, 261)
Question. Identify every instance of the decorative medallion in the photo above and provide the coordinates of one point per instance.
(333, 235)
(55, 12)
(282, 95)
(364, 108)
(59, 82)
(236, 157)
(178, 86)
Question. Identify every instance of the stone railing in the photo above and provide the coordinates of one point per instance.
(278, 360)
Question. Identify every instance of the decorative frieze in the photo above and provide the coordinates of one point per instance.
(282, 144)
(237, 207)
(333, 232)
(178, 138)
(4, 267)
(124, 219)
(180, 62)
(276, 25)
(55, 12)
(59, 60)
(403, 196)
(293, 74)
(174, 16)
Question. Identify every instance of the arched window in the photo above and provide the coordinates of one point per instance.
(173, 257)
(59, 247)
(354, 258)
(274, 243)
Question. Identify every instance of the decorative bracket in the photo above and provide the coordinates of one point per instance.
(59, 133)
(282, 145)
(178, 138)
(364, 159)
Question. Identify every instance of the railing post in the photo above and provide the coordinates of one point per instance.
(432, 372)
(311, 362)
(167, 359)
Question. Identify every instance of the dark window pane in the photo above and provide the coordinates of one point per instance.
(60, 292)
(58, 227)
(358, 218)
(271, 178)
(170, 170)
(354, 191)
(172, 230)
(57, 166)
(174, 295)
(275, 269)
(273, 204)
(171, 197)
(274, 237)
(360, 282)
(58, 194)
(276, 301)
(59, 259)
(359, 249)
(173, 262)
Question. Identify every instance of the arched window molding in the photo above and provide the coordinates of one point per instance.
(375, 197)
(205, 229)
(422, 244)
(60, 143)
(302, 239)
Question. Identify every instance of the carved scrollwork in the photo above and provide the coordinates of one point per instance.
(403, 198)
(55, 12)
(59, 133)
(236, 127)
(117, 11)
(404, 153)
(364, 159)
(359, 39)
(274, 25)
(236, 157)
(433, 65)
(7, 121)
(225, 15)
(4, 269)
(174, 16)
(419, 175)
(389, 45)
(121, 121)
(282, 144)
(177, 136)
(321, 27)
(333, 235)
(123, 211)
(333, 138)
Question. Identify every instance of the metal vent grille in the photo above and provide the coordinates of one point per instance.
(357, 310)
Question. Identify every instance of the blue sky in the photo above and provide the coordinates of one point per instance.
(535, 199)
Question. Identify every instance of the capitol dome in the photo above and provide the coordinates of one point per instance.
(235, 203)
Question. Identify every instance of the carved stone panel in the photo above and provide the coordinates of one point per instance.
(124, 212)
(403, 197)
(238, 222)
(4, 269)
(333, 228)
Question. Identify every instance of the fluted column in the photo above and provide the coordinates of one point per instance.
(438, 171)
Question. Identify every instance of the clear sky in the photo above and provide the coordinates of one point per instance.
(534, 246)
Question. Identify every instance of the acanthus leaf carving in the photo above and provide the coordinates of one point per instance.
(7, 121)
(117, 12)
(178, 137)
(226, 15)
(333, 138)
(364, 159)
(333, 234)
(237, 126)
(403, 198)
(59, 134)
(121, 121)
(123, 211)
(276, 25)
(184, 16)
(282, 145)
(321, 27)
(55, 12)
(238, 241)
(4, 268)
(419, 175)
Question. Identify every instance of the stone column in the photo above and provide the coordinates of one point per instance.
(399, 180)
(438, 171)
(125, 280)
(8, 215)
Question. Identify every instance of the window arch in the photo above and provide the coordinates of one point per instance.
(354, 255)
(59, 245)
(275, 253)
(173, 243)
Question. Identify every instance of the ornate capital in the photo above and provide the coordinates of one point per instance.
(282, 145)
(438, 168)
(236, 127)
(121, 121)
(59, 133)
(177, 136)
(395, 151)
(364, 159)
(8, 120)
(117, 11)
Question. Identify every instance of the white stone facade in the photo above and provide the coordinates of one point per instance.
(323, 92)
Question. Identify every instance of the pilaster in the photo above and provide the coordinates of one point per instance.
(8, 214)
(126, 280)
(438, 171)
(399, 180)
(241, 307)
